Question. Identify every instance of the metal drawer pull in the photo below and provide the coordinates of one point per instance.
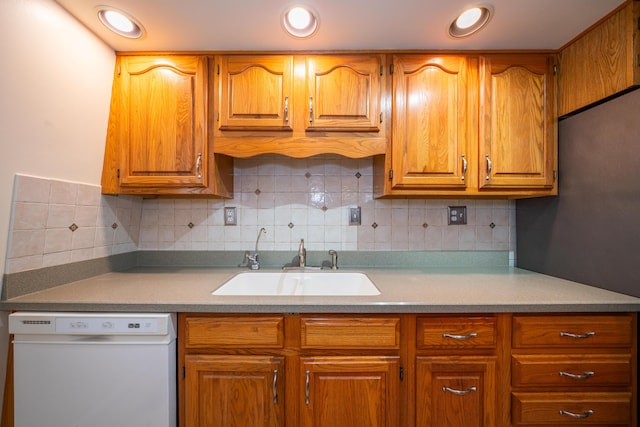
(465, 164)
(311, 109)
(275, 386)
(286, 109)
(198, 164)
(460, 337)
(580, 336)
(306, 387)
(583, 376)
(459, 392)
(585, 414)
(489, 167)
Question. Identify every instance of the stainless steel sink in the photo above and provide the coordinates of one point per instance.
(298, 283)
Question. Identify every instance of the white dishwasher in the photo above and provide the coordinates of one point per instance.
(94, 369)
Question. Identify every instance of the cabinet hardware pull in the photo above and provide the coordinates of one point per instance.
(286, 109)
(311, 109)
(275, 386)
(198, 164)
(579, 336)
(459, 392)
(585, 414)
(460, 337)
(582, 376)
(306, 387)
(464, 167)
(489, 167)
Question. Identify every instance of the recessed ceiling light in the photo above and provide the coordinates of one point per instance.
(120, 22)
(470, 21)
(300, 21)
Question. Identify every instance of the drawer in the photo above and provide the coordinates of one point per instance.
(556, 409)
(456, 332)
(572, 331)
(571, 370)
(350, 332)
(234, 332)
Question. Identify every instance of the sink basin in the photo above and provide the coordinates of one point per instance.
(302, 283)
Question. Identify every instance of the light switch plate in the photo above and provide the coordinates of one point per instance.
(457, 215)
(355, 217)
(230, 216)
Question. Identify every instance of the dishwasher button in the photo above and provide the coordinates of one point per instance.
(78, 325)
(107, 325)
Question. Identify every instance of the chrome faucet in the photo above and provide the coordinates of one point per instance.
(252, 260)
(334, 259)
(302, 253)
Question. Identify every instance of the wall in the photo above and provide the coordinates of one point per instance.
(587, 233)
(55, 85)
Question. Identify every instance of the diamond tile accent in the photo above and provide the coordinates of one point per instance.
(492, 225)
(324, 208)
(290, 225)
(374, 225)
(358, 175)
(307, 175)
(257, 191)
(425, 225)
(73, 227)
(114, 225)
(190, 225)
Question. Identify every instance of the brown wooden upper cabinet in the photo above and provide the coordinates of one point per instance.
(299, 105)
(431, 117)
(256, 93)
(602, 62)
(157, 140)
(518, 129)
(465, 125)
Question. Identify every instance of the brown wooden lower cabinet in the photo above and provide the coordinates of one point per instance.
(456, 391)
(349, 391)
(225, 391)
(577, 408)
(407, 370)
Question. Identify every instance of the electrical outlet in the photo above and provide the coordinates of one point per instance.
(230, 216)
(457, 215)
(355, 216)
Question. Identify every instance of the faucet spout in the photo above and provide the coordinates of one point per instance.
(302, 253)
(252, 260)
(262, 230)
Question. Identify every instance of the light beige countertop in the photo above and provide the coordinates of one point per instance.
(429, 290)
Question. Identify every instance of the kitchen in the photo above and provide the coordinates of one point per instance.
(68, 107)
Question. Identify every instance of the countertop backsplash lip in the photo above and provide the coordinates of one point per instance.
(22, 283)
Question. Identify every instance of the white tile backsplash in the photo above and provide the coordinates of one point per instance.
(291, 198)
(56, 222)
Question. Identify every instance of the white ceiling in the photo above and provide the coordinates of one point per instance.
(188, 25)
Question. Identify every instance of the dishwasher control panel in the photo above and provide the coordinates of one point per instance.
(90, 323)
(97, 325)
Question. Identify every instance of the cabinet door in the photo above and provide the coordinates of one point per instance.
(430, 122)
(349, 391)
(518, 135)
(343, 93)
(223, 391)
(256, 92)
(456, 391)
(162, 123)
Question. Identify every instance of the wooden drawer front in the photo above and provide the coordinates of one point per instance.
(571, 370)
(236, 332)
(350, 332)
(572, 331)
(603, 409)
(457, 332)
